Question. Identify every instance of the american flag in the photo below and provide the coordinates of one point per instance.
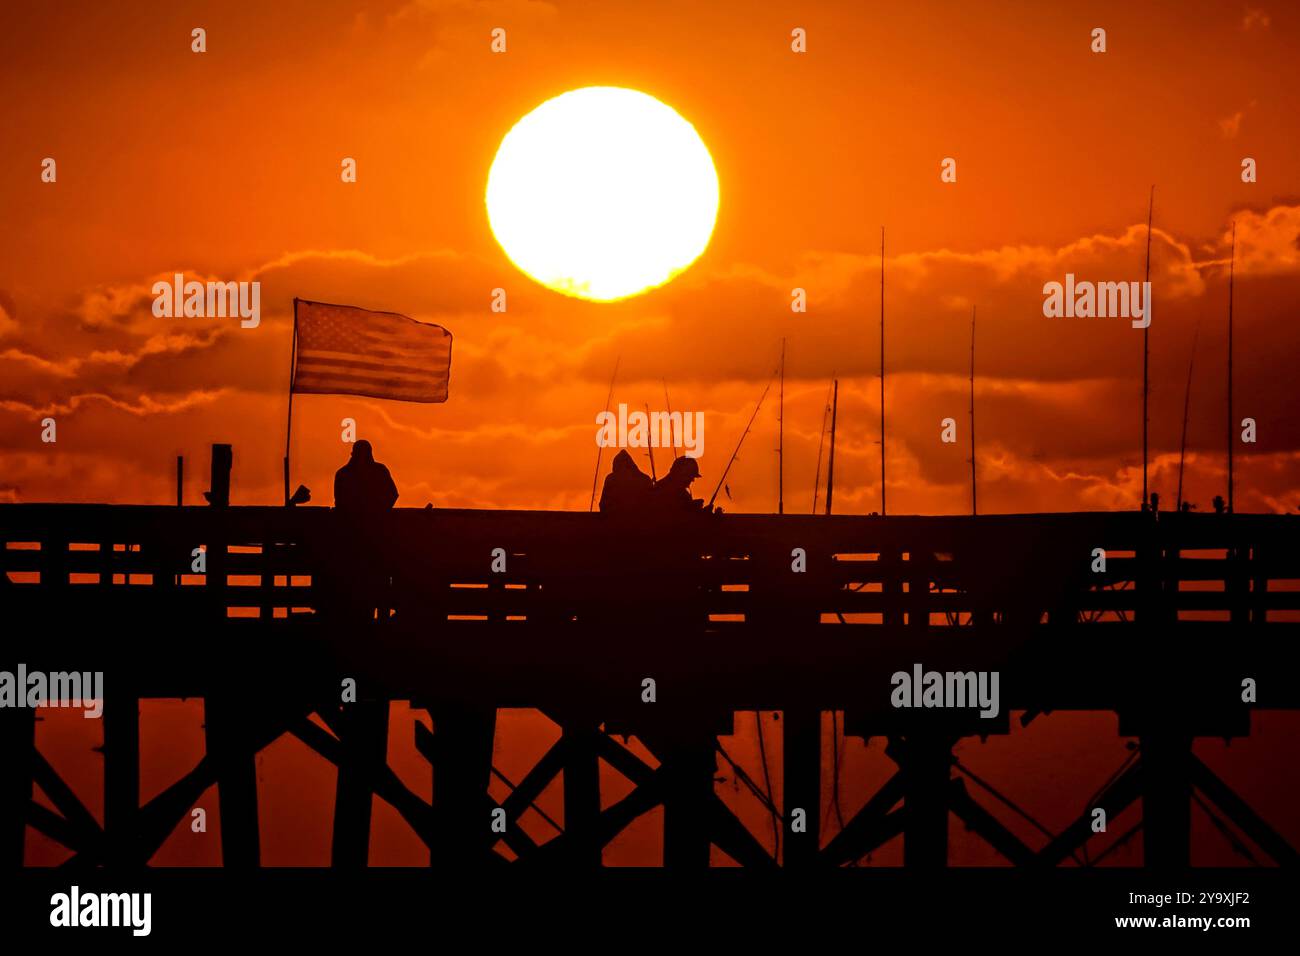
(344, 350)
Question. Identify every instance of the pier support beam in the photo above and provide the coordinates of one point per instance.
(802, 783)
(17, 756)
(229, 742)
(690, 763)
(364, 735)
(122, 777)
(464, 737)
(581, 793)
(925, 765)
(1166, 800)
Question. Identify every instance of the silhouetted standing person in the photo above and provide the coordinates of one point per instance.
(363, 493)
(363, 487)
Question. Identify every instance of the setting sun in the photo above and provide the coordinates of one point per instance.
(602, 193)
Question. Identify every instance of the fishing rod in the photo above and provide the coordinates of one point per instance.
(821, 441)
(830, 468)
(974, 509)
(1187, 404)
(780, 442)
(1146, 353)
(1232, 271)
(649, 445)
(766, 389)
(669, 405)
(608, 398)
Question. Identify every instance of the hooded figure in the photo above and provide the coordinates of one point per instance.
(626, 489)
(363, 487)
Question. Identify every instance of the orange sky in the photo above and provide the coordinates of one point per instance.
(225, 165)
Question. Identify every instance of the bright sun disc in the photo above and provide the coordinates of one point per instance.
(602, 193)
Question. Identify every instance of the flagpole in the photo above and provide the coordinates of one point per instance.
(883, 510)
(288, 429)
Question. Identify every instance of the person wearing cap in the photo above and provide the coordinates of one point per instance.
(672, 492)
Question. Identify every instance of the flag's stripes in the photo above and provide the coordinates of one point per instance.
(315, 378)
(348, 360)
(374, 375)
(351, 351)
(371, 354)
(337, 386)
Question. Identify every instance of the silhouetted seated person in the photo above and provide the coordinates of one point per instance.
(626, 491)
(363, 493)
(680, 603)
(363, 487)
(671, 494)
